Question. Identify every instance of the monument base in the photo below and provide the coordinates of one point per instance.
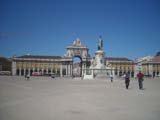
(98, 69)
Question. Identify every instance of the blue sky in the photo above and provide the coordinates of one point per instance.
(130, 28)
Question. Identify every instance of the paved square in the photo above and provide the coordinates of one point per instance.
(44, 98)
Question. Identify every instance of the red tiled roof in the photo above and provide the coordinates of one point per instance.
(156, 59)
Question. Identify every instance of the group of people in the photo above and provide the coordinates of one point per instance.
(140, 77)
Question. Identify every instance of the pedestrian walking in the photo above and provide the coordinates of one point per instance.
(127, 80)
(140, 78)
(154, 73)
(111, 76)
(27, 76)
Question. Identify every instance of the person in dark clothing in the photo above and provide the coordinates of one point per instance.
(111, 76)
(127, 80)
(140, 80)
(27, 76)
(154, 73)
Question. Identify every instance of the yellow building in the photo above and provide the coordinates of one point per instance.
(41, 65)
(151, 67)
(46, 65)
(121, 65)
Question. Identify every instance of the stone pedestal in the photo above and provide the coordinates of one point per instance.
(98, 69)
(99, 59)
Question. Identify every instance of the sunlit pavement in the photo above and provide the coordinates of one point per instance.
(44, 98)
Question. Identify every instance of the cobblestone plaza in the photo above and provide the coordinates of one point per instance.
(44, 98)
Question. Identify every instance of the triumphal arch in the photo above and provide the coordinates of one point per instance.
(77, 49)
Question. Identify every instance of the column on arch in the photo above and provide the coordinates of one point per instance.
(69, 69)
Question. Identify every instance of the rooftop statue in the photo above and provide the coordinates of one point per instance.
(77, 42)
(100, 43)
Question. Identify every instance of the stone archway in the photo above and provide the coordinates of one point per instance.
(77, 49)
(77, 67)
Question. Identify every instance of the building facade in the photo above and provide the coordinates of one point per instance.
(64, 66)
(5, 66)
(41, 65)
(121, 65)
(46, 65)
(151, 67)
